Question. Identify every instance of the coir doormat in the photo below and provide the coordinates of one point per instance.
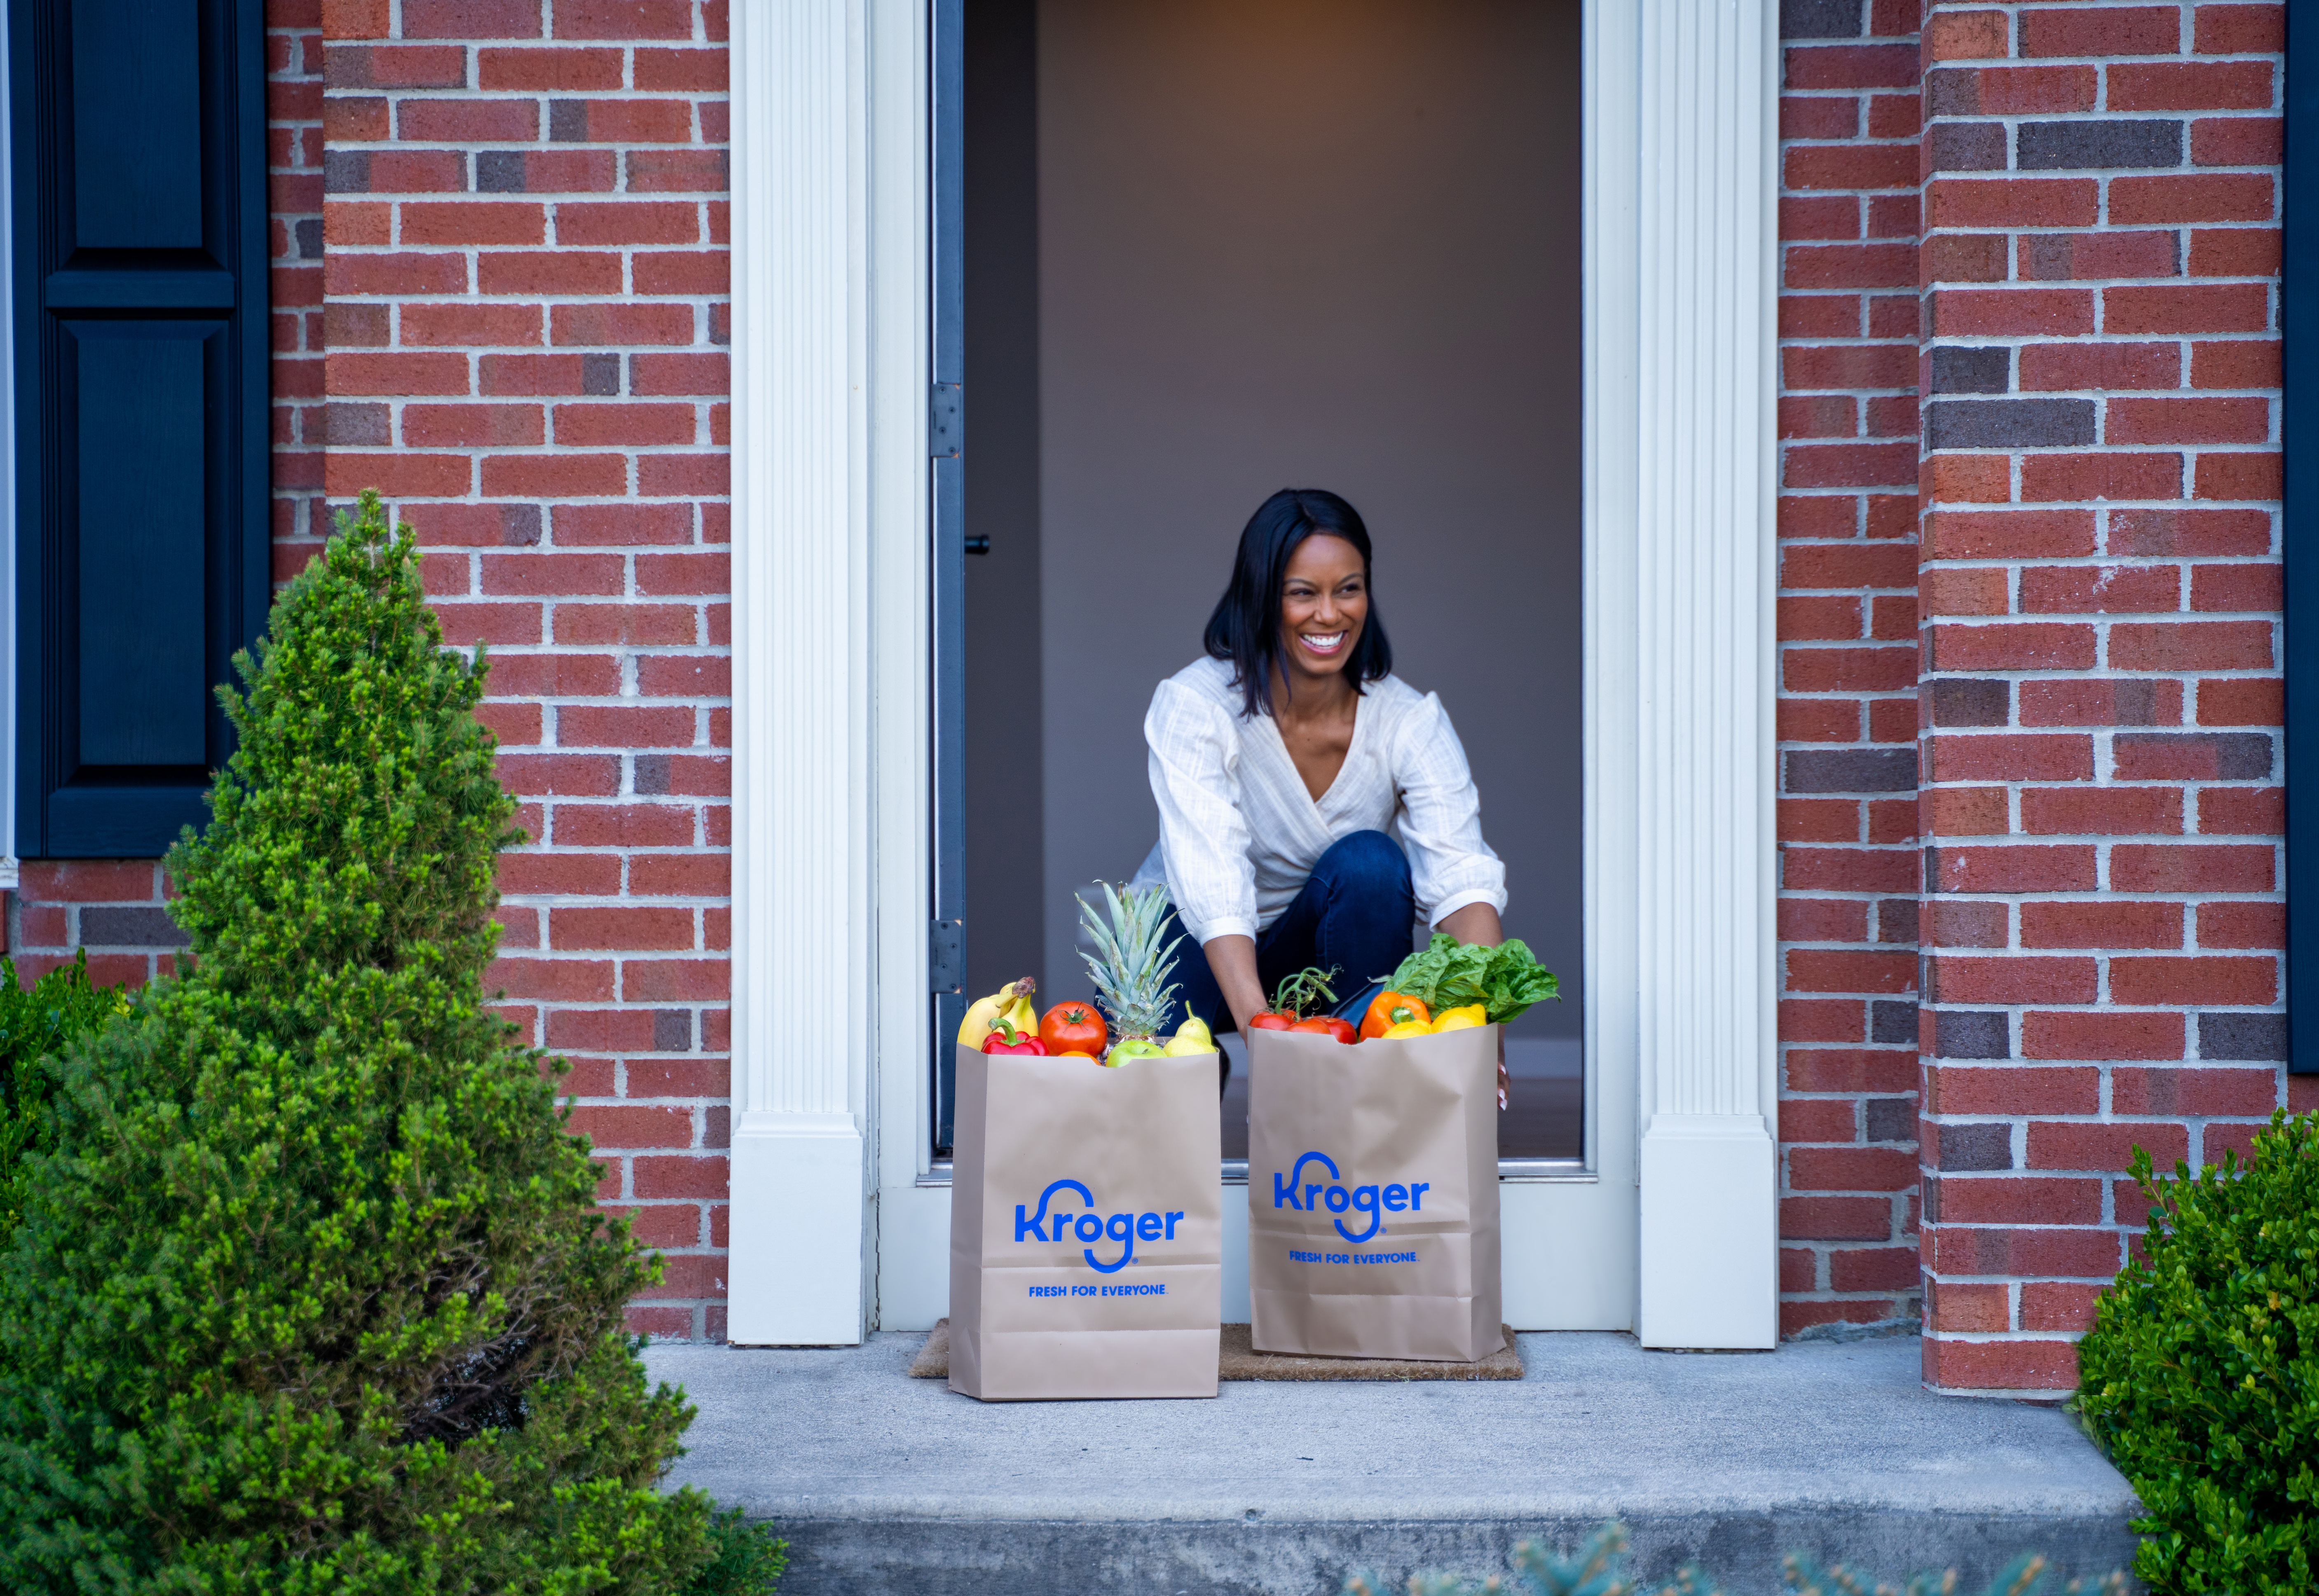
(1236, 1360)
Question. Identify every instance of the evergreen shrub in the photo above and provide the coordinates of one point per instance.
(36, 1024)
(313, 1295)
(2201, 1374)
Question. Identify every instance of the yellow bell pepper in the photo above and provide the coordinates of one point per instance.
(1462, 1019)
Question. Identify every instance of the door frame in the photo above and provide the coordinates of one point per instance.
(838, 1225)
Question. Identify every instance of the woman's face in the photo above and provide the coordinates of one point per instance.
(1324, 601)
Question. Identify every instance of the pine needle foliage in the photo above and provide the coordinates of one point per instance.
(2200, 1376)
(313, 1298)
(36, 1024)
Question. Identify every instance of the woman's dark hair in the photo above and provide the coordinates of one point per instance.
(1246, 627)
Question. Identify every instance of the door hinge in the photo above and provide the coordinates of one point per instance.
(946, 423)
(946, 956)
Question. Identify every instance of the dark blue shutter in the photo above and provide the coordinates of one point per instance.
(142, 517)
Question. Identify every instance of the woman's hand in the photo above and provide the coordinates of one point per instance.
(1477, 925)
(1233, 961)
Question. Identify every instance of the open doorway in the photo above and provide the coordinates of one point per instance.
(1215, 247)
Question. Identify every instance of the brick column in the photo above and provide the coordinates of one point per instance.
(527, 309)
(2100, 586)
(294, 160)
(1849, 672)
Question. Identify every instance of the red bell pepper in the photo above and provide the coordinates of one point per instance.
(1005, 1039)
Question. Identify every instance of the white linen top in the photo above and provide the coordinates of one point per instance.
(1239, 834)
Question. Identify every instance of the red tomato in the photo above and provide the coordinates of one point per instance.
(1342, 1029)
(1074, 1028)
(1268, 1021)
(1315, 1024)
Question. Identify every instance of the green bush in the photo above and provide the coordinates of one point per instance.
(2201, 1374)
(36, 1024)
(313, 1295)
(746, 1560)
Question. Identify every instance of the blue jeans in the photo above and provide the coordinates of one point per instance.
(1354, 915)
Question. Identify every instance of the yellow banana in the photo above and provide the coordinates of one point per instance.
(1011, 1002)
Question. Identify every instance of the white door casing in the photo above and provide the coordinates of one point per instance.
(837, 1222)
(1704, 480)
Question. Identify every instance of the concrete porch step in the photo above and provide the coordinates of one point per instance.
(890, 1486)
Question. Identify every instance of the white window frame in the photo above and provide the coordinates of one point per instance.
(833, 1230)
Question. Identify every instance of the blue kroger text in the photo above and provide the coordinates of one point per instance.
(1373, 1201)
(1092, 1226)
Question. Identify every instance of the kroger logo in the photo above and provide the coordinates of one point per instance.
(1288, 1192)
(1091, 1226)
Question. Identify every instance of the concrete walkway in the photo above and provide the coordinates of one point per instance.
(888, 1484)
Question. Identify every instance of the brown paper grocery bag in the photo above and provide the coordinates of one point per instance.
(1086, 1228)
(1373, 1196)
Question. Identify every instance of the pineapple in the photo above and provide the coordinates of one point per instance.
(1131, 976)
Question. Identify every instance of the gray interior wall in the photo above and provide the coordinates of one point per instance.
(1313, 243)
(1005, 856)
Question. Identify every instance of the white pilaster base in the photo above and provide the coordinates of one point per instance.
(795, 1274)
(1710, 1245)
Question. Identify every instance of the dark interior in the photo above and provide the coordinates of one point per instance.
(1215, 247)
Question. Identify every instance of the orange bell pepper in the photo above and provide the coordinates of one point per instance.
(1391, 1009)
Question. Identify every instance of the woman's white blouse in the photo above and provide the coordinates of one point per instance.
(1238, 834)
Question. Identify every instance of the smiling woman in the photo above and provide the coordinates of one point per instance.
(1314, 809)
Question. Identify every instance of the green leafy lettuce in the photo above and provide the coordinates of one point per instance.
(1505, 979)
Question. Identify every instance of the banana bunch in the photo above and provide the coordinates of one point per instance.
(1011, 1003)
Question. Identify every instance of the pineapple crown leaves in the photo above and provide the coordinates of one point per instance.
(1129, 965)
(359, 815)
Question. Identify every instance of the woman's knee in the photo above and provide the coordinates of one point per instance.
(1368, 858)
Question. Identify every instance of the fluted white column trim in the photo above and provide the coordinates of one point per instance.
(1703, 337)
(801, 910)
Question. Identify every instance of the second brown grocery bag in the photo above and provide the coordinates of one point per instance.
(1086, 1228)
(1373, 1196)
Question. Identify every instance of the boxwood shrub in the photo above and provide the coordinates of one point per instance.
(2201, 1374)
(37, 1023)
(311, 1296)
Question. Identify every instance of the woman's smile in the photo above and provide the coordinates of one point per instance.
(1324, 601)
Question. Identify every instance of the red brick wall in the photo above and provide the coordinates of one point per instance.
(2028, 362)
(2100, 700)
(527, 304)
(1848, 725)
